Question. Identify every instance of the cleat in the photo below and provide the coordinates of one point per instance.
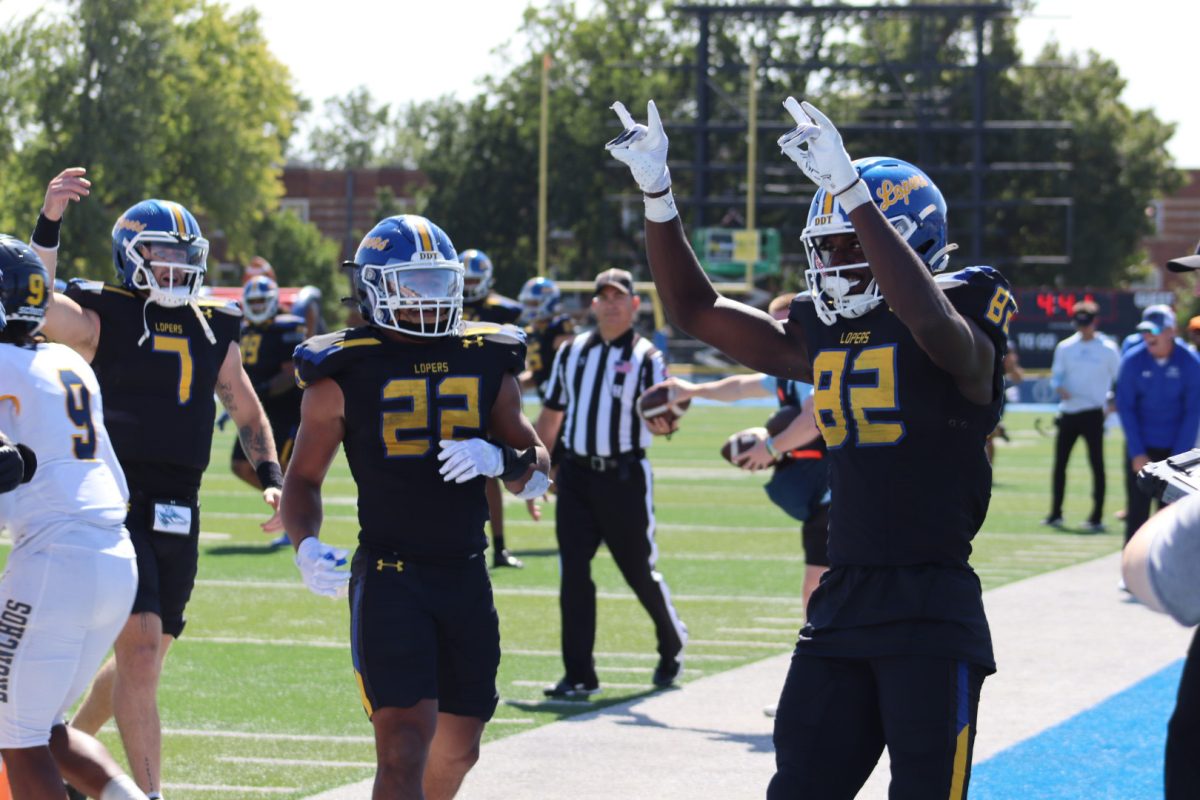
(281, 540)
(567, 690)
(668, 670)
(1093, 527)
(506, 559)
(1053, 522)
(770, 711)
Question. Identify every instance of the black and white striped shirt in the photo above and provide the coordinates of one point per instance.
(597, 384)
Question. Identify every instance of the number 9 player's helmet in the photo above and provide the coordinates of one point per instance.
(478, 274)
(24, 290)
(158, 248)
(406, 276)
(539, 298)
(911, 203)
(260, 299)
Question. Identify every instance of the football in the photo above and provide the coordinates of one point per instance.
(737, 444)
(658, 401)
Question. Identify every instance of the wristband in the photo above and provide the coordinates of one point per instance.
(853, 196)
(515, 464)
(769, 443)
(661, 207)
(269, 475)
(45, 232)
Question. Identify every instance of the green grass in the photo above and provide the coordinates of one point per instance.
(263, 657)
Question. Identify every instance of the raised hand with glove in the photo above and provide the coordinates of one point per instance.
(643, 148)
(816, 147)
(17, 464)
(319, 566)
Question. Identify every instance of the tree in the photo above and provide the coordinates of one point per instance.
(173, 98)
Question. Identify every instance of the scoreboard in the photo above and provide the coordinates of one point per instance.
(1043, 317)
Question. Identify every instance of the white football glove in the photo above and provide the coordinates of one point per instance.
(469, 459)
(318, 563)
(643, 148)
(816, 147)
(535, 487)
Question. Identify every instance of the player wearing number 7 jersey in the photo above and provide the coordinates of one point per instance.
(908, 375)
(160, 353)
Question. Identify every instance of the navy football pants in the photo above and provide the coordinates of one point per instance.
(837, 714)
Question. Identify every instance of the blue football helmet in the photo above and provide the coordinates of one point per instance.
(909, 200)
(158, 248)
(260, 299)
(407, 277)
(477, 275)
(24, 289)
(539, 298)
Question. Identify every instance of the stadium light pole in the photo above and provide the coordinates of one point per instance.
(543, 164)
(751, 158)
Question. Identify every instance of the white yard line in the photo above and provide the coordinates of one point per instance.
(295, 762)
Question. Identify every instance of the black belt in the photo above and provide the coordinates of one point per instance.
(604, 463)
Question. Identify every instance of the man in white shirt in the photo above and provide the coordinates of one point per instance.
(1085, 366)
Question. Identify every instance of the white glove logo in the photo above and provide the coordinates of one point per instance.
(643, 148)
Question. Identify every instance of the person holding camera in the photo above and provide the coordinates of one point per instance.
(1084, 368)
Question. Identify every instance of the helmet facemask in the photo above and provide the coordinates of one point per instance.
(415, 299)
(171, 268)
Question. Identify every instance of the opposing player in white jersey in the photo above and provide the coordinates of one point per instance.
(70, 579)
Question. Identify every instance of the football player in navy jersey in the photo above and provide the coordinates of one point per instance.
(268, 339)
(909, 377)
(428, 409)
(546, 328)
(481, 304)
(160, 353)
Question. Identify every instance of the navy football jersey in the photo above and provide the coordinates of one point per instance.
(495, 308)
(158, 396)
(401, 398)
(265, 348)
(541, 335)
(909, 479)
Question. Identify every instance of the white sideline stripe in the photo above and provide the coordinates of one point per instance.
(779, 620)
(514, 592)
(741, 643)
(782, 631)
(285, 737)
(605, 684)
(334, 645)
(224, 790)
(294, 762)
(640, 670)
(208, 536)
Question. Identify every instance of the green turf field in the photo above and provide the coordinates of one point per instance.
(258, 698)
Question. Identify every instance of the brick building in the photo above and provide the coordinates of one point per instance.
(1177, 226)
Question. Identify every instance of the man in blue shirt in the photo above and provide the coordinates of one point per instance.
(1085, 366)
(1158, 398)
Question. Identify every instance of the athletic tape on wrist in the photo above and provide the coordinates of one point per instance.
(854, 196)
(661, 208)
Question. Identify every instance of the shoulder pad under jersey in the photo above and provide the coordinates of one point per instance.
(982, 294)
(325, 355)
(289, 322)
(224, 306)
(507, 340)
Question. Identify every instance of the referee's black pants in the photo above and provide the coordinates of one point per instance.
(613, 506)
(1183, 732)
(1090, 425)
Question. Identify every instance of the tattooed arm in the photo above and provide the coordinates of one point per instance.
(236, 393)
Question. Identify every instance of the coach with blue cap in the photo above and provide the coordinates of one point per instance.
(1158, 399)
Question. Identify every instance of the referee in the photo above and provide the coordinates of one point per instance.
(605, 488)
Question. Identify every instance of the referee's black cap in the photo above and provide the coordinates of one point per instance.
(619, 278)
